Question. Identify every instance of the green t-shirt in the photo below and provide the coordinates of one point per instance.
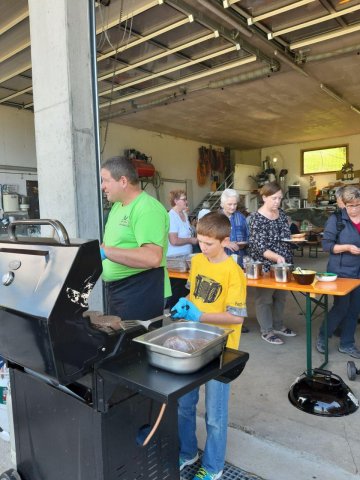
(144, 220)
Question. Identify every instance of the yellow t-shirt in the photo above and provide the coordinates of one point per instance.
(219, 287)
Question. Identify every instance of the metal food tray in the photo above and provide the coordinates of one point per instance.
(177, 263)
(182, 362)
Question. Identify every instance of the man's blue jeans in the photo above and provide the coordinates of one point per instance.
(216, 404)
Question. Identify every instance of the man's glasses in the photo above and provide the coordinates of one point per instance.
(183, 198)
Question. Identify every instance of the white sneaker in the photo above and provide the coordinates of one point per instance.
(286, 332)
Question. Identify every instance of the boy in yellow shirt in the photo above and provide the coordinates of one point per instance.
(217, 297)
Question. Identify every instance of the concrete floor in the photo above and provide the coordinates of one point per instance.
(267, 434)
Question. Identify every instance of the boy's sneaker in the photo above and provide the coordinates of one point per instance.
(184, 462)
(353, 351)
(202, 474)
(320, 345)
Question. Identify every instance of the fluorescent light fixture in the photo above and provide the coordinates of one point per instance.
(14, 73)
(15, 21)
(16, 94)
(335, 96)
(171, 70)
(122, 18)
(145, 38)
(228, 3)
(182, 81)
(214, 34)
(331, 93)
(16, 50)
(325, 36)
(354, 109)
(313, 22)
(277, 11)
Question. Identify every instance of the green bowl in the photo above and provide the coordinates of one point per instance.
(326, 277)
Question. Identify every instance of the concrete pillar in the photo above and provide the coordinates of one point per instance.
(65, 117)
(66, 131)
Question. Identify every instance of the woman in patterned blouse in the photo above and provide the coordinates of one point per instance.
(268, 227)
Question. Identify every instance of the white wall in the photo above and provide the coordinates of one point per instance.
(173, 157)
(17, 147)
(246, 157)
(290, 157)
(17, 137)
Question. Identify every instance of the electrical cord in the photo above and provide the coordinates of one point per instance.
(156, 424)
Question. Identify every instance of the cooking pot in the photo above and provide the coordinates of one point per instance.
(253, 269)
(281, 272)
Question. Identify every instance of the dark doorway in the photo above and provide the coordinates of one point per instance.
(32, 192)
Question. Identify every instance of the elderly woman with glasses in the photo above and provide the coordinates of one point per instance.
(239, 233)
(181, 240)
(342, 240)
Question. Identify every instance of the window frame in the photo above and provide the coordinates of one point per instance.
(346, 161)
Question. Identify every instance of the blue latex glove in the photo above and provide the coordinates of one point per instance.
(103, 254)
(186, 310)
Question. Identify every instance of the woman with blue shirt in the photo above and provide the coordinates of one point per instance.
(239, 228)
(342, 240)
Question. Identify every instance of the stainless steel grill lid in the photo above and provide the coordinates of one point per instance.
(43, 293)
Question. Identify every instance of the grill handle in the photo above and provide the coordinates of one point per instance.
(57, 226)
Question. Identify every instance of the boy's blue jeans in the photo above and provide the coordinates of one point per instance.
(216, 404)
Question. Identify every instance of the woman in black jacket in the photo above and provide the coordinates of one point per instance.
(342, 240)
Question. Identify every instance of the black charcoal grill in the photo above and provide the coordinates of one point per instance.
(84, 395)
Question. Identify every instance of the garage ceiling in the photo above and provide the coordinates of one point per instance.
(244, 74)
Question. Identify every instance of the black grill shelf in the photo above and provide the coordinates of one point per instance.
(162, 386)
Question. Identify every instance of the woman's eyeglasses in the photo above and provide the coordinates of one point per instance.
(352, 206)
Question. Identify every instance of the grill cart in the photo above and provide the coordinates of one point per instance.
(87, 404)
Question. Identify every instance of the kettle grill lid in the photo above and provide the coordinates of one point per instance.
(323, 393)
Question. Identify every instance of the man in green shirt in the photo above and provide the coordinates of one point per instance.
(134, 246)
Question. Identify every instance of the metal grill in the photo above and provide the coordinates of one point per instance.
(81, 388)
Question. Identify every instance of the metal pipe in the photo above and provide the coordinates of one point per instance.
(95, 102)
(335, 53)
(96, 122)
(253, 75)
(18, 168)
(244, 77)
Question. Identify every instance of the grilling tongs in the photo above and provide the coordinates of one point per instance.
(112, 323)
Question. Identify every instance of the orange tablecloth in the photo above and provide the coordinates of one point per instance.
(341, 286)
